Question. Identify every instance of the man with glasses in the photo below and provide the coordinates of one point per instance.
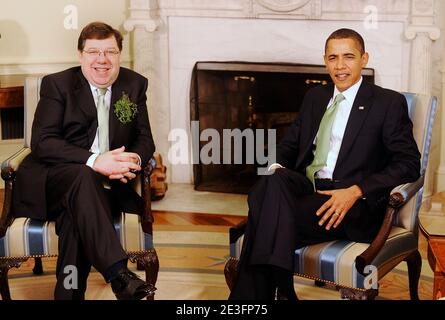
(90, 137)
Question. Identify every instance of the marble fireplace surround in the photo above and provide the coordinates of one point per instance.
(170, 36)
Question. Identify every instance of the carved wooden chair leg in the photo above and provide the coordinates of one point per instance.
(38, 267)
(414, 262)
(4, 286)
(5, 265)
(230, 272)
(354, 294)
(150, 263)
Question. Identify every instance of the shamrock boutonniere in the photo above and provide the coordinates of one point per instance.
(124, 109)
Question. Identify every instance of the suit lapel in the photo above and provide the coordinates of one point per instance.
(116, 93)
(86, 103)
(359, 112)
(318, 109)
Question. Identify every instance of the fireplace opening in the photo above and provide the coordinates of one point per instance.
(241, 95)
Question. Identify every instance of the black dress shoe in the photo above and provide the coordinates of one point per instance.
(128, 286)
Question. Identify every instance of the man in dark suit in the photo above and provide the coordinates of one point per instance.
(351, 144)
(84, 155)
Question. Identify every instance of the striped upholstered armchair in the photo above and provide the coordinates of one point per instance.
(23, 238)
(343, 264)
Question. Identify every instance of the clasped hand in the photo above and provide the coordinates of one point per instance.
(117, 164)
(336, 208)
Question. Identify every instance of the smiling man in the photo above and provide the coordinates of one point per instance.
(83, 158)
(351, 144)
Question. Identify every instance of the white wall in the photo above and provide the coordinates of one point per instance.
(35, 40)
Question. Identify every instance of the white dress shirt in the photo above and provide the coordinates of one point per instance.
(338, 130)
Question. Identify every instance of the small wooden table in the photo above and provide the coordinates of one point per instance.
(432, 224)
(11, 106)
(11, 91)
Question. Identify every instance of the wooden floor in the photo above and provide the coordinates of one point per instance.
(187, 218)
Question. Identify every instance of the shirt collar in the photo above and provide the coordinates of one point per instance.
(94, 89)
(350, 93)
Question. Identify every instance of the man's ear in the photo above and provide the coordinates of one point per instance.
(365, 59)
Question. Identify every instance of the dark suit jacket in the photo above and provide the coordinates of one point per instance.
(64, 129)
(378, 151)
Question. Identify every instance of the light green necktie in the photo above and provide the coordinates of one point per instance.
(102, 120)
(323, 139)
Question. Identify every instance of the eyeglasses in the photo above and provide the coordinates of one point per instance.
(107, 53)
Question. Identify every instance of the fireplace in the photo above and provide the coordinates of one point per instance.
(246, 96)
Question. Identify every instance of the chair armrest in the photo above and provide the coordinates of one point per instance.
(408, 190)
(9, 168)
(11, 164)
(398, 198)
(147, 216)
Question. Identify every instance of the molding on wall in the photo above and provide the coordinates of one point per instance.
(142, 11)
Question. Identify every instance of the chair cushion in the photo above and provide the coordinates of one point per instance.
(335, 261)
(29, 237)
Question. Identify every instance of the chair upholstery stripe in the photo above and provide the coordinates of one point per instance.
(310, 256)
(328, 258)
(123, 238)
(358, 278)
(298, 260)
(2, 247)
(141, 239)
(27, 237)
(35, 230)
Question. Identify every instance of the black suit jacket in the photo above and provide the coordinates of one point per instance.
(378, 150)
(64, 129)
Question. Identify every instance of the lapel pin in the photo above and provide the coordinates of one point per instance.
(361, 108)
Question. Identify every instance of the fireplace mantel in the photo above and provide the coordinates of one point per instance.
(163, 49)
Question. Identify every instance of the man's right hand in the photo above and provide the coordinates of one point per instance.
(117, 164)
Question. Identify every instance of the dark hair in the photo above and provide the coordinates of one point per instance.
(100, 31)
(347, 34)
